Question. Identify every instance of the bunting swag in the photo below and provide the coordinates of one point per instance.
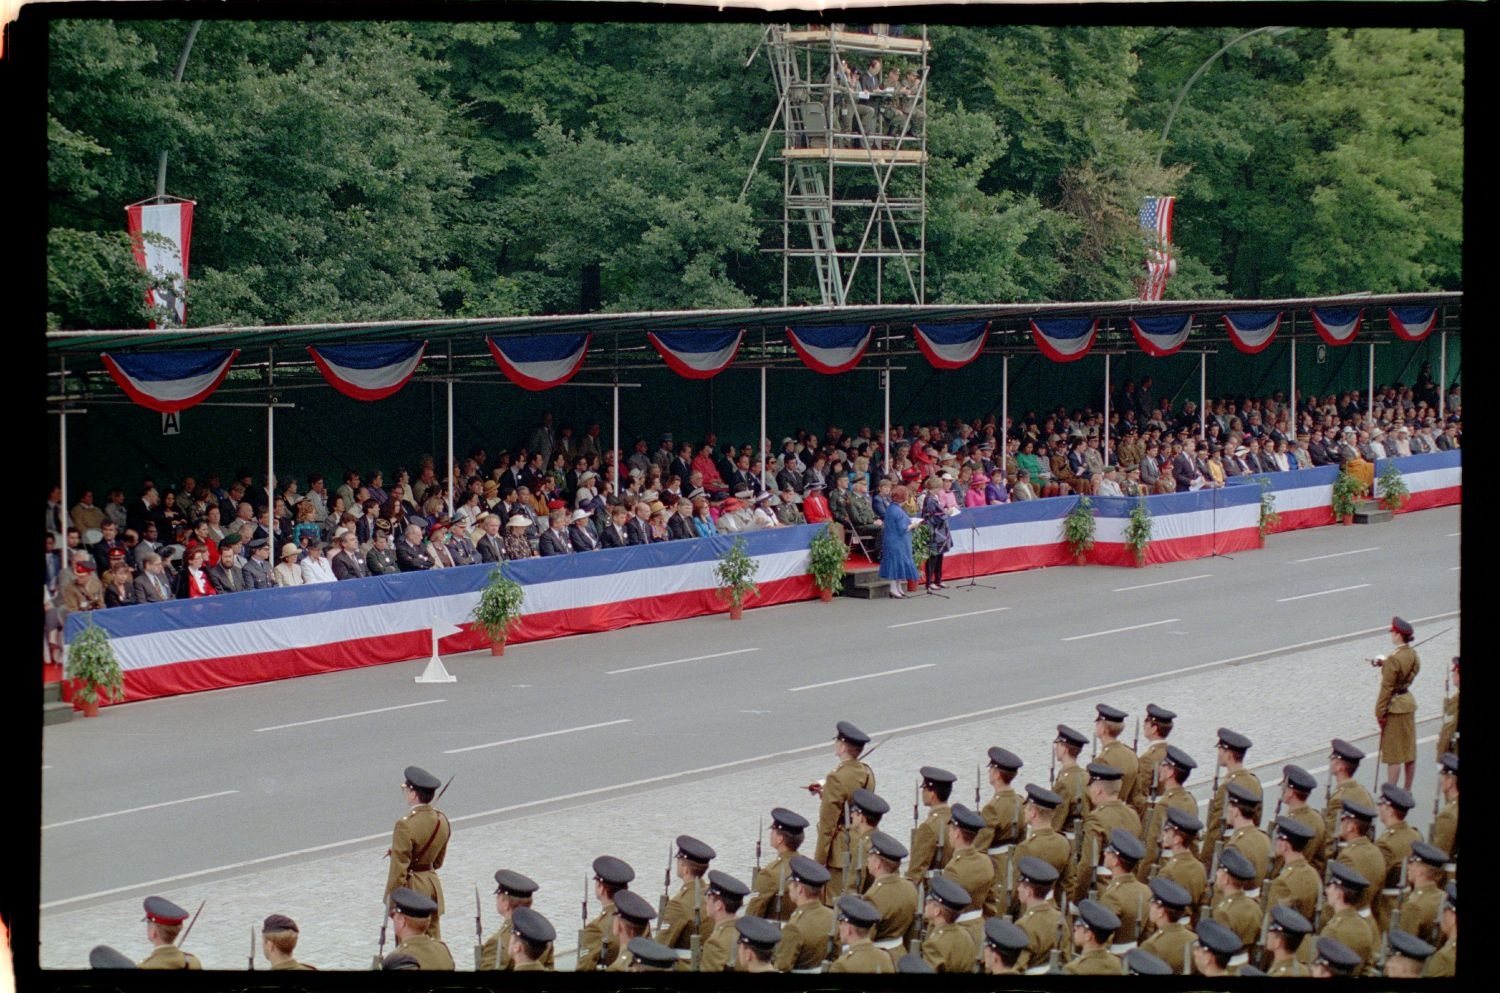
(169, 381)
(540, 362)
(1252, 332)
(831, 350)
(1412, 323)
(165, 256)
(697, 354)
(1065, 339)
(1338, 327)
(368, 372)
(1161, 336)
(951, 346)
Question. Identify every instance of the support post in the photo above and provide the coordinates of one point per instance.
(765, 443)
(62, 461)
(885, 381)
(1291, 340)
(271, 450)
(1203, 394)
(1105, 453)
(1004, 402)
(615, 434)
(1370, 391)
(452, 476)
(1442, 376)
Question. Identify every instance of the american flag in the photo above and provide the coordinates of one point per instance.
(1156, 220)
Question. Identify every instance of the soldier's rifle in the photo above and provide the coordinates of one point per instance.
(479, 931)
(1135, 745)
(760, 828)
(977, 781)
(666, 886)
(1213, 870)
(385, 920)
(695, 942)
(182, 938)
(1265, 930)
(252, 948)
(780, 890)
(440, 792)
(848, 849)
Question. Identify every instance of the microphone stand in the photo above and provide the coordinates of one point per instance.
(972, 584)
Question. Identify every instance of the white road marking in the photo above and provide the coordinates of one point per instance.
(1133, 627)
(1318, 558)
(1455, 534)
(868, 675)
(1164, 582)
(948, 617)
(533, 737)
(1454, 568)
(136, 810)
(1304, 596)
(818, 746)
(695, 658)
(341, 717)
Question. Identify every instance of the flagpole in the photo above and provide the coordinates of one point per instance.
(271, 452)
(765, 444)
(1443, 377)
(1370, 393)
(1203, 394)
(1105, 453)
(161, 163)
(1004, 403)
(452, 475)
(62, 447)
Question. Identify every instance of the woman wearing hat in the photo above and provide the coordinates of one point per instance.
(287, 572)
(896, 561)
(935, 516)
(516, 544)
(193, 580)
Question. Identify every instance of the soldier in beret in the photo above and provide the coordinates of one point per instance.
(1232, 747)
(513, 891)
(1106, 814)
(1296, 885)
(645, 955)
(599, 947)
(1232, 907)
(163, 923)
(1109, 724)
(1171, 773)
(632, 921)
(1444, 961)
(768, 897)
(1422, 908)
(1126, 896)
(1169, 912)
(531, 938)
(1297, 785)
(757, 944)
(836, 788)
(105, 957)
(948, 947)
(856, 919)
(891, 893)
(1345, 889)
(1004, 820)
(1182, 866)
(278, 939)
(685, 914)
(1071, 783)
(419, 843)
(1332, 959)
(805, 938)
(928, 851)
(971, 869)
(1357, 851)
(1343, 763)
(1215, 946)
(1157, 725)
(851, 848)
(1409, 955)
(721, 902)
(1039, 916)
(1004, 943)
(1444, 833)
(1394, 845)
(1285, 932)
(1395, 707)
(1093, 930)
(412, 913)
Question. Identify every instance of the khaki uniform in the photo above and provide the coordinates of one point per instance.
(1095, 962)
(1146, 768)
(292, 965)
(1073, 786)
(1347, 790)
(973, 870)
(1046, 844)
(676, 929)
(1394, 844)
(863, 956)
(1119, 755)
(1003, 827)
(1445, 829)
(1095, 838)
(804, 938)
(950, 948)
(768, 896)
(599, 948)
(170, 957)
(419, 843)
(1176, 797)
(1314, 851)
(1421, 913)
(622, 962)
(430, 953)
(850, 848)
(1130, 900)
(1213, 824)
(532, 966)
(1398, 741)
(1292, 967)
(1443, 961)
(718, 950)
(1363, 857)
(1448, 736)
(850, 775)
(1297, 885)
(1356, 931)
(1186, 871)
(1039, 921)
(1168, 944)
(1239, 914)
(1255, 845)
(495, 952)
(929, 843)
(896, 898)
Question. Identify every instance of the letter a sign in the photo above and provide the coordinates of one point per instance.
(171, 423)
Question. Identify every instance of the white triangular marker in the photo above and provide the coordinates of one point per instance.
(435, 671)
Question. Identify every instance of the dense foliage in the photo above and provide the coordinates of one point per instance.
(351, 170)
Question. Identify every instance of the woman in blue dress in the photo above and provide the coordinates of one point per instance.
(896, 561)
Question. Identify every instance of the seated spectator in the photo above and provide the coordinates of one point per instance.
(581, 533)
(555, 540)
(288, 572)
(315, 566)
(193, 580)
(815, 505)
(227, 575)
(1023, 489)
(438, 537)
(1110, 484)
(764, 514)
(703, 517)
(616, 533)
(412, 553)
(733, 517)
(121, 589)
(658, 521)
(681, 524)
(638, 528)
(380, 560)
(517, 544)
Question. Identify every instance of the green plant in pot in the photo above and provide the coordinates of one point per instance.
(499, 608)
(92, 662)
(1268, 516)
(735, 572)
(828, 556)
(1392, 488)
(1347, 488)
(1138, 531)
(921, 549)
(1078, 529)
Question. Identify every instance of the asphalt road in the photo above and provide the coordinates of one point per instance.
(274, 773)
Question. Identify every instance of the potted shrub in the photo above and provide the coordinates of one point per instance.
(91, 663)
(828, 557)
(1078, 529)
(1268, 516)
(1138, 532)
(1392, 488)
(1346, 489)
(735, 572)
(921, 541)
(499, 607)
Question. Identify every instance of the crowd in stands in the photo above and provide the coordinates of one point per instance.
(560, 493)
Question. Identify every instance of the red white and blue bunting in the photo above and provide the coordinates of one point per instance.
(368, 372)
(1252, 331)
(169, 381)
(1338, 327)
(1161, 336)
(697, 354)
(1412, 323)
(540, 362)
(1065, 339)
(834, 349)
(951, 346)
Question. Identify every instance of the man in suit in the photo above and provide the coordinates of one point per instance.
(348, 563)
(490, 546)
(152, 586)
(380, 560)
(1184, 470)
(682, 465)
(227, 575)
(581, 532)
(106, 544)
(411, 551)
(615, 533)
(554, 540)
(459, 545)
(258, 569)
(638, 530)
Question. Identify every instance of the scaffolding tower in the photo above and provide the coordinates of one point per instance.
(852, 144)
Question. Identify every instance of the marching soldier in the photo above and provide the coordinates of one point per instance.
(757, 944)
(1232, 907)
(1343, 763)
(1345, 890)
(1242, 811)
(837, 787)
(1093, 929)
(1445, 961)
(1041, 840)
(644, 955)
(1297, 884)
(1142, 963)
(1182, 866)
(512, 892)
(1169, 910)
(163, 922)
(856, 919)
(768, 898)
(1448, 736)
(1039, 915)
(1215, 947)
(419, 843)
(1232, 747)
(685, 915)
(851, 848)
(611, 876)
(1394, 845)
(1357, 851)
(1444, 833)
(1297, 785)
(1004, 943)
(807, 934)
(971, 869)
(1126, 896)
(893, 894)
(1409, 955)
(278, 939)
(1395, 707)
(1003, 819)
(722, 902)
(928, 851)
(1285, 933)
(1332, 959)
(1171, 773)
(1422, 909)
(412, 914)
(1157, 725)
(1108, 813)
(1109, 724)
(948, 946)
(105, 957)
(1071, 783)
(630, 925)
(531, 938)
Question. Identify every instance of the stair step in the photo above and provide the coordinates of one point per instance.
(1371, 516)
(881, 592)
(863, 578)
(51, 692)
(57, 713)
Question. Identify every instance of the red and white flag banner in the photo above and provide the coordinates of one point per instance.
(164, 256)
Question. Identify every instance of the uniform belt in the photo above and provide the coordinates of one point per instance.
(888, 943)
(1450, 866)
(1038, 970)
(1001, 849)
(419, 868)
(967, 915)
(684, 954)
(1253, 894)
(1242, 958)
(1391, 891)
(808, 972)
(1365, 913)
(1122, 948)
